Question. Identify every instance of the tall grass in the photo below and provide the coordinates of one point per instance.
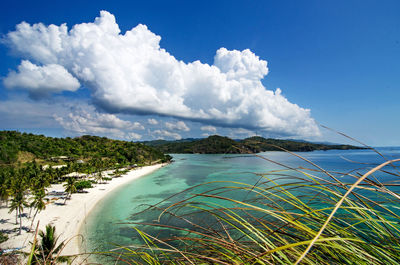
(290, 216)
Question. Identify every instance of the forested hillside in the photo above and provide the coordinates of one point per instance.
(223, 145)
(15, 146)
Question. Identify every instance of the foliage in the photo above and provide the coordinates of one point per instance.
(259, 144)
(294, 215)
(83, 184)
(223, 145)
(3, 237)
(18, 202)
(70, 187)
(18, 177)
(123, 152)
(48, 251)
(99, 177)
(38, 202)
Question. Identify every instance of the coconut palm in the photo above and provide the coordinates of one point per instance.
(99, 177)
(5, 184)
(17, 203)
(47, 251)
(4, 193)
(38, 202)
(69, 187)
(117, 173)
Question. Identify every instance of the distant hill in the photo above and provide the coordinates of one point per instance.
(23, 147)
(223, 145)
(212, 145)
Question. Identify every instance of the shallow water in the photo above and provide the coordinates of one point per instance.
(108, 225)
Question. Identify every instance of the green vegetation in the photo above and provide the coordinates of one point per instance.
(18, 203)
(291, 216)
(31, 163)
(223, 145)
(107, 178)
(69, 188)
(99, 177)
(3, 237)
(48, 250)
(83, 184)
(14, 144)
(258, 144)
(38, 203)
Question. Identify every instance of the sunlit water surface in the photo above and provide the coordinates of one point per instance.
(107, 226)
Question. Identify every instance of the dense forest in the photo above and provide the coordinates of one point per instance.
(18, 147)
(223, 145)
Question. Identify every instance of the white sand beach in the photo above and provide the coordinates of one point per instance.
(66, 218)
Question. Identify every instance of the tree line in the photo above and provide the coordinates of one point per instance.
(23, 183)
(12, 143)
(216, 144)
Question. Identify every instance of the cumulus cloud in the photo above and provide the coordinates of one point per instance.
(131, 73)
(241, 133)
(87, 121)
(39, 80)
(180, 126)
(164, 134)
(208, 128)
(152, 121)
(133, 136)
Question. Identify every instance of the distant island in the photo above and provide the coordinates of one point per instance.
(216, 144)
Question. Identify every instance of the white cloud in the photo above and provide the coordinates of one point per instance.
(152, 121)
(136, 126)
(180, 126)
(40, 80)
(131, 73)
(87, 121)
(208, 128)
(162, 134)
(133, 136)
(241, 133)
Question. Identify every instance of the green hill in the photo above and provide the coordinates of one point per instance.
(259, 144)
(212, 145)
(223, 145)
(19, 147)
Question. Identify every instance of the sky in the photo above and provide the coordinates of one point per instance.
(145, 70)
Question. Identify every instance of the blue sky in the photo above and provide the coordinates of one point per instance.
(336, 63)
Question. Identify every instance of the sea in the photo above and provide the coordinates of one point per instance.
(110, 225)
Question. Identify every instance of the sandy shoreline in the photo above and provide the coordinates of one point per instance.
(66, 218)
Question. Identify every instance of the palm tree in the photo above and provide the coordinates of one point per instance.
(47, 252)
(4, 193)
(13, 207)
(17, 204)
(6, 184)
(99, 177)
(117, 173)
(69, 187)
(38, 202)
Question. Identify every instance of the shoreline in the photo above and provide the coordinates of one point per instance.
(69, 218)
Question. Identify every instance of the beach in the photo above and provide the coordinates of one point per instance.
(66, 218)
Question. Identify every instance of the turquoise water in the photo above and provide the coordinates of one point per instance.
(111, 221)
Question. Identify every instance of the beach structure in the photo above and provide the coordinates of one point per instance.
(61, 158)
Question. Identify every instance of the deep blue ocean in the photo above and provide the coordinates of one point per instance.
(109, 224)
